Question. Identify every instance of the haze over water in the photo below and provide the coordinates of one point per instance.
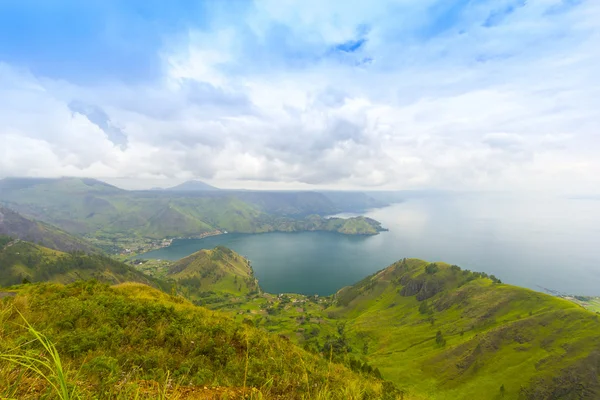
(548, 242)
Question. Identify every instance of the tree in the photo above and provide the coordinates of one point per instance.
(432, 268)
(439, 338)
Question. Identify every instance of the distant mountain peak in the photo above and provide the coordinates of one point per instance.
(192, 186)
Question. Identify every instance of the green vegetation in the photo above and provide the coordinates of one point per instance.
(433, 330)
(15, 225)
(440, 332)
(116, 219)
(95, 334)
(213, 276)
(23, 261)
(591, 303)
(445, 333)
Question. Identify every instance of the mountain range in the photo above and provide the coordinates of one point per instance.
(108, 215)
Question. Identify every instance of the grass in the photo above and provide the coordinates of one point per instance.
(25, 261)
(434, 330)
(99, 330)
(493, 335)
(48, 366)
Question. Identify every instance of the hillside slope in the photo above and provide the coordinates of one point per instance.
(131, 341)
(220, 272)
(440, 332)
(20, 260)
(15, 225)
(446, 333)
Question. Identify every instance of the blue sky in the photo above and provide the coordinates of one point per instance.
(474, 95)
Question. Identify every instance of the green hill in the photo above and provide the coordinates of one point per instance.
(132, 341)
(15, 225)
(20, 260)
(212, 276)
(446, 333)
(440, 332)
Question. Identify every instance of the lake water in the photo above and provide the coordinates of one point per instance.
(532, 242)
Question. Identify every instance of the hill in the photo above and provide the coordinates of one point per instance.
(15, 225)
(211, 276)
(24, 261)
(192, 186)
(132, 341)
(440, 332)
(447, 333)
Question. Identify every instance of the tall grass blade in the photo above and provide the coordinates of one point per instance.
(49, 368)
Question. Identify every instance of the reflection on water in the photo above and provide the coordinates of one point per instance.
(548, 242)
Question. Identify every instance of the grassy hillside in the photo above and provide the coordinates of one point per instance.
(439, 332)
(132, 341)
(15, 225)
(116, 219)
(213, 276)
(20, 260)
(448, 334)
(353, 226)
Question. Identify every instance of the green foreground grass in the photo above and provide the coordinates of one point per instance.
(133, 341)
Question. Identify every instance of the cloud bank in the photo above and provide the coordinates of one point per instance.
(497, 95)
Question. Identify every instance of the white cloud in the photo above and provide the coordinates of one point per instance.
(267, 98)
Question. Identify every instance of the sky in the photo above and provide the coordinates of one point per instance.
(444, 94)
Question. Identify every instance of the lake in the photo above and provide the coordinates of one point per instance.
(532, 242)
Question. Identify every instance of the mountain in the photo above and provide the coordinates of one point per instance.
(15, 225)
(20, 261)
(218, 271)
(192, 186)
(116, 219)
(445, 333)
(132, 341)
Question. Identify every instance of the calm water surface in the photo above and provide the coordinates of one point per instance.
(548, 242)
